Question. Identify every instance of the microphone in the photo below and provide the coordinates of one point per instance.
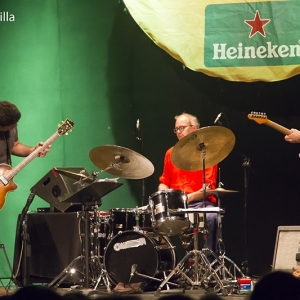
(133, 270)
(217, 118)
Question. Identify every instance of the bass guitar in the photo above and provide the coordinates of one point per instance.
(7, 172)
(261, 118)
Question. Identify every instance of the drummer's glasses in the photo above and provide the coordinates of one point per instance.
(181, 128)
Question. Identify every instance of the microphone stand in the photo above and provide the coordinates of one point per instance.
(22, 224)
(140, 140)
(246, 165)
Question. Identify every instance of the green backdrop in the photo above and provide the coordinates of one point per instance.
(54, 65)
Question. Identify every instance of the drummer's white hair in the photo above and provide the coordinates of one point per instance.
(193, 119)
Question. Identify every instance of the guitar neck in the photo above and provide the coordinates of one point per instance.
(30, 157)
(278, 127)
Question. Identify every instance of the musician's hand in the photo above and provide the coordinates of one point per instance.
(43, 152)
(294, 137)
(195, 196)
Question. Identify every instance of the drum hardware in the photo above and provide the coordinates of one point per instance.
(134, 271)
(88, 263)
(228, 279)
(199, 269)
(196, 269)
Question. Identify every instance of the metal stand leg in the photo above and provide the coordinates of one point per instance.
(89, 264)
(6, 287)
(103, 277)
(228, 278)
(200, 271)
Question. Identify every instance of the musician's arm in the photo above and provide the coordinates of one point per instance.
(22, 150)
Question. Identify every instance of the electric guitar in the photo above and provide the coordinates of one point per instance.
(7, 172)
(261, 118)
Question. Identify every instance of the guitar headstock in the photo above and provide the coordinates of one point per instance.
(65, 127)
(258, 117)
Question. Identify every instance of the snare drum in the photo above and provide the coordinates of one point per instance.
(165, 217)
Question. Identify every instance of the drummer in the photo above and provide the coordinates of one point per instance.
(191, 181)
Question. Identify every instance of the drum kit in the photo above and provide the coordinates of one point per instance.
(132, 245)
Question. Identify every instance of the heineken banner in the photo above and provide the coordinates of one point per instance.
(235, 40)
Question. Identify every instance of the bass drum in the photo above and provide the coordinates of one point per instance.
(153, 255)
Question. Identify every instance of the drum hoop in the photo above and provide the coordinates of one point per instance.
(168, 191)
(171, 248)
(122, 210)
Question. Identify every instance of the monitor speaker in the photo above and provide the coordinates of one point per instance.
(55, 188)
(287, 249)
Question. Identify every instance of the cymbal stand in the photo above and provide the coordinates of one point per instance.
(87, 264)
(227, 277)
(202, 272)
(96, 255)
(203, 153)
(81, 261)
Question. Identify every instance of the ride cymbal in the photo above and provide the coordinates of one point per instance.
(215, 142)
(121, 162)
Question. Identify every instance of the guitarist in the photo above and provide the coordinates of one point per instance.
(294, 137)
(9, 142)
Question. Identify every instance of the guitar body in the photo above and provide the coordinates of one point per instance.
(4, 189)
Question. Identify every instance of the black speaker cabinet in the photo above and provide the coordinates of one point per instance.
(54, 241)
(286, 248)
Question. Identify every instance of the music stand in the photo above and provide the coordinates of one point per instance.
(88, 195)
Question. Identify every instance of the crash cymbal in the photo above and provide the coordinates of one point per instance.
(121, 162)
(220, 191)
(73, 175)
(217, 142)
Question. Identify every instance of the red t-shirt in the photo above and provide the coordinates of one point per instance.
(187, 181)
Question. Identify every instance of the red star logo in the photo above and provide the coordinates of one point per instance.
(257, 25)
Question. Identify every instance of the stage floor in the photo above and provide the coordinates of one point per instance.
(102, 292)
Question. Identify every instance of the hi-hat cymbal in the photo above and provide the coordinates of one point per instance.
(221, 191)
(215, 142)
(121, 162)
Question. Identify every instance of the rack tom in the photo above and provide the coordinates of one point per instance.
(164, 205)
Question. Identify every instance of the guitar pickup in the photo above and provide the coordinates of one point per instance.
(4, 180)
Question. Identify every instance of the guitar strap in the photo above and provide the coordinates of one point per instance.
(8, 157)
